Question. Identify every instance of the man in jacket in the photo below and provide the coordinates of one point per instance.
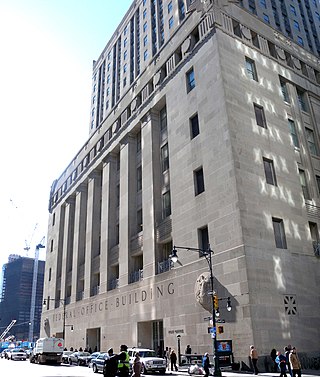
(123, 364)
(110, 364)
(295, 363)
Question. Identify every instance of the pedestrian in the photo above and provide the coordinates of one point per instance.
(136, 367)
(206, 364)
(254, 359)
(282, 364)
(110, 368)
(287, 351)
(166, 356)
(273, 355)
(295, 363)
(188, 351)
(123, 364)
(173, 360)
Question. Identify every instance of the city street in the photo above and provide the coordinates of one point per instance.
(25, 369)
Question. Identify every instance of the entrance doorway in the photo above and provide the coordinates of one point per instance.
(93, 339)
(150, 335)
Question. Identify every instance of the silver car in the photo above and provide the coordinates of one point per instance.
(17, 354)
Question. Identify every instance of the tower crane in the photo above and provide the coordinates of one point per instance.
(7, 329)
(27, 247)
(34, 288)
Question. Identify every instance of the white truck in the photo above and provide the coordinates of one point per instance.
(47, 350)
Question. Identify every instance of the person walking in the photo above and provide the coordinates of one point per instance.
(254, 359)
(206, 364)
(110, 368)
(188, 351)
(136, 367)
(273, 355)
(287, 351)
(281, 361)
(295, 363)
(173, 360)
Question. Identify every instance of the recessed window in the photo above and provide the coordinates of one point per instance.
(145, 26)
(300, 41)
(139, 221)
(266, 18)
(49, 274)
(171, 22)
(303, 182)
(269, 171)
(302, 100)
(290, 304)
(139, 142)
(318, 182)
(170, 7)
(311, 141)
(251, 69)
(145, 41)
(284, 90)
(51, 246)
(293, 133)
(194, 126)
(191, 83)
(203, 236)
(164, 158)
(166, 204)
(263, 3)
(145, 55)
(144, 13)
(260, 117)
(279, 233)
(144, 2)
(139, 178)
(293, 10)
(198, 181)
(296, 25)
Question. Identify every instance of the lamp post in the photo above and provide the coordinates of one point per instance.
(207, 253)
(63, 302)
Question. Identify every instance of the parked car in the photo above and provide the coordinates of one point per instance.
(150, 362)
(4, 353)
(17, 354)
(65, 356)
(79, 358)
(98, 362)
(91, 357)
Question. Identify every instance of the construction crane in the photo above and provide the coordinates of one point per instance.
(34, 288)
(7, 329)
(27, 247)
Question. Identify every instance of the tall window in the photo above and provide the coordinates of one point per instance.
(269, 172)
(293, 133)
(198, 181)
(284, 90)
(139, 178)
(279, 233)
(139, 220)
(166, 204)
(318, 182)
(191, 83)
(304, 186)
(171, 20)
(194, 126)
(203, 236)
(301, 100)
(251, 69)
(163, 124)
(311, 142)
(260, 117)
(165, 158)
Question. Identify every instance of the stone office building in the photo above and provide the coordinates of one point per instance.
(204, 129)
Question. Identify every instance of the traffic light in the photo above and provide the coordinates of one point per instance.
(220, 329)
(215, 302)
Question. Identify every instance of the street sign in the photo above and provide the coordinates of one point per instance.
(220, 320)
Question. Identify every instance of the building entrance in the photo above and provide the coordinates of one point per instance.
(150, 335)
(93, 339)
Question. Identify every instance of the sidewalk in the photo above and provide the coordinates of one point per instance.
(184, 372)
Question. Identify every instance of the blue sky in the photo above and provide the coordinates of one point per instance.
(47, 49)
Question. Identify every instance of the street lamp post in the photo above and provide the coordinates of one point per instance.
(63, 302)
(179, 349)
(207, 253)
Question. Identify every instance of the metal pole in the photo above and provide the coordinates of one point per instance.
(179, 350)
(217, 371)
(64, 319)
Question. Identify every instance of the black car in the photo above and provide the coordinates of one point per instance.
(79, 358)
(98, 362)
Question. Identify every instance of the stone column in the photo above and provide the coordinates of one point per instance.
(151, 195)
(92, 227)
(79, 237)
(107, 214)
(127, 187)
